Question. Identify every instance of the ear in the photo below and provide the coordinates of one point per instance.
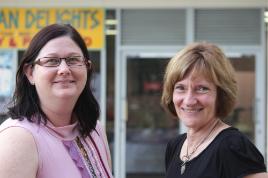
(28, 71)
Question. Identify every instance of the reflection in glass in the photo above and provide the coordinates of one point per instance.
(243, 115)
(148, 126)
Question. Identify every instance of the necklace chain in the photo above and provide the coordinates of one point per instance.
(188, 156)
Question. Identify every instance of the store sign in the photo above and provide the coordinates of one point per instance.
(18, 25)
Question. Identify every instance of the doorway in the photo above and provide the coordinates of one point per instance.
(148, 127)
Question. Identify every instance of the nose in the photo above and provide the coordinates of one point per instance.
(63, 68)
(190, 98)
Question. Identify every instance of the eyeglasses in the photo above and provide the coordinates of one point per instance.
(72, 61)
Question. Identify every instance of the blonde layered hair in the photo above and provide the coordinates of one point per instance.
(202, 59)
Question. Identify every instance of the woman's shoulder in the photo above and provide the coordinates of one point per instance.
(9, 122)
(98, 126)
(176, 140)
(13, 139)
(98, 134)
(25, 126)
(234, 144)
(232, 135)
(173, 143)
(15, 130)
(23, 123)
(238, 154)
(234, 140)
(172, 147)
(98, 131)
(15, 135)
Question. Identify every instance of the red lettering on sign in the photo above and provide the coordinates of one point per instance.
(12, 42)
(1, 41)
(152, 86)
(26, 40)
(88, 41)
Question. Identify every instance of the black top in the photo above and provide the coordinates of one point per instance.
(229, 155)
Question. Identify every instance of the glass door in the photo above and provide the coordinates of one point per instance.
(148, 127)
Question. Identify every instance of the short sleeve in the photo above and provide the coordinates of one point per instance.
(239, 157)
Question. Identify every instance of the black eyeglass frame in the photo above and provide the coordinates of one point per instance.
(87, 62)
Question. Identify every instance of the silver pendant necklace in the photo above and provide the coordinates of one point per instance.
(186, 158)
(183, 165)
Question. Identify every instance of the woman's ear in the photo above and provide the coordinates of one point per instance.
(28, 71)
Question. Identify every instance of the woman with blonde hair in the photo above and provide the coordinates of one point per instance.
(200, 89)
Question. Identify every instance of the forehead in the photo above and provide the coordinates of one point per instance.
(198, 77)
(61, 46)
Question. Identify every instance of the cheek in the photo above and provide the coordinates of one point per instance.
(42, 82)
(42, 78)
(82, 78)
(210, 102)
(177, 99)
(84, 82)
(83, 75)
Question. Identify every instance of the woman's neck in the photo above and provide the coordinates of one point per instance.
(196, 135)
(60, 120)
(58, 116)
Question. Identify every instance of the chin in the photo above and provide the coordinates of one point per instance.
(190, 122)
(66, 95)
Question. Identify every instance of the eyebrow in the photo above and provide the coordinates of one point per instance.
(56, 54)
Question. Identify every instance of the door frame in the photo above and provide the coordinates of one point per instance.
(121, 99)
(260, 89)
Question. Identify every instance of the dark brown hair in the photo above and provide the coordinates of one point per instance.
(25, 99)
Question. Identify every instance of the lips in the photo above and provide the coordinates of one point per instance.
(191, 110)
(64, 81)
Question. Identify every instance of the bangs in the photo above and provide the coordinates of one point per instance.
(199, 68)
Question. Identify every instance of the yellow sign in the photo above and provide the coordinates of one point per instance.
(19, 25)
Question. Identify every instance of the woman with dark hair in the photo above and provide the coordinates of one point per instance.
(53, 131)
(200, 89)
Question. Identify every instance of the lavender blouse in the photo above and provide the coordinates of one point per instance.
(62, 152)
